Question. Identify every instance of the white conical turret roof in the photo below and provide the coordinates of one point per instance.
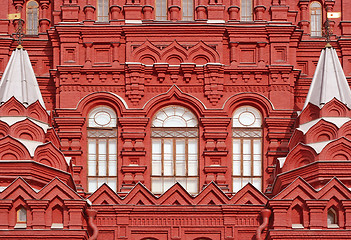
(19, 80)
(329, 81)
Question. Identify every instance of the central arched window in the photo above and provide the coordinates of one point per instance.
(246, 10)
(247, 148)
(174, 149)
(102, 148)
(316, 19)
(102, 10)
(32, 18)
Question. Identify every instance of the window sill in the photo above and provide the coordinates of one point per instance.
(333, 226)
(297, 226)
(20, 225)
(57, 226)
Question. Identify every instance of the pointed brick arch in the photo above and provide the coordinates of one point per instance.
(339, 149)
(49, 155)
(12, 108)
(12, 149)
(201, 49)
(300, 156)
(174, 50)
(28, 130)
(321, 131)
(146, 49)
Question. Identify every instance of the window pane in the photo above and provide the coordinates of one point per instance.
(246, 168)
(167, 183)
(236, 168)
(112, 168)
(180, 158)
(92, 184)
(156, 185)
(92, 168)
(257, 182)
(257, 171)
(236, 184)
(112, 183)
(192, 185)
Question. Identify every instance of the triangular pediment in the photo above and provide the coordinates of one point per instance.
(58, 188)
(249, 195)
(19, 187)
(104, 195)
(334, 189)
(211, 195)
(298, 188)
(140, 195)
(175, 194)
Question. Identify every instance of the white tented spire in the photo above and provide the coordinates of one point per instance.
(329, 81)
(19, 80)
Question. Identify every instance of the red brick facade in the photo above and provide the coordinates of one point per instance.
(137, 65)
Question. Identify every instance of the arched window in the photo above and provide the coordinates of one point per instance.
(102, 148)
(32, 18)
(246, 10)
(102, 10)
(297, 217)
(21, 218)
(316, 19)
(332, 219)
(161, 10)
(188, 10)
(247, 148)
(174, 149)
(57, 217)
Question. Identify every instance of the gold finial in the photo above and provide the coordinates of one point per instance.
(328, 45)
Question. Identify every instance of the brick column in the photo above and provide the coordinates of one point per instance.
(38, 208)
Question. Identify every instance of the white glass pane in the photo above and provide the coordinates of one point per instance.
(257, 168)
(101, 181)
(245, 181)
(174, 121)
(167, 183)
(237, 168)
(257, 182)
(156, 185)
(156, 168)
(257, 146)
(236, 146)
(247, 168)
(192, 185)
(102, 146)
(192, 168)
(237, 157)
(92, 184)
(236, 184)
(112, 183)
(168, 168)
(112, 146)
(156, 146)
(246, 146)
(92, 168)
(182, 181)
(180, 147)
(102, 168)
(180, 168)
(91, 146)
(246, 157)
(192, 146)
(168, 147)
(112, 168)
